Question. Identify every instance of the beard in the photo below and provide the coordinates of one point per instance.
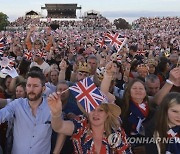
(35, 97)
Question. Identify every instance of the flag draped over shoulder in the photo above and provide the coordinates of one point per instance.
(87, 94)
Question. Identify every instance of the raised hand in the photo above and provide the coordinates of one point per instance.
(75, 67)
(32, 28)
(111, 68)
(174, 76)
(63, 65)
(55, 104)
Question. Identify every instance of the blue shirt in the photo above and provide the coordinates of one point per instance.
(32, 135)
(51, 86)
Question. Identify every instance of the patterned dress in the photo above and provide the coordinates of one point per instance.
(83, 140)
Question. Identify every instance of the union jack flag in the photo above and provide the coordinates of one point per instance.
(2, 44)
(141, 52)
(87, 94)
(1, 52)
(115, 39)
(119, 58)
(101, 42)
(6, 62)
(174, 132)
(11, 62)
(42, 54)
(28, 55)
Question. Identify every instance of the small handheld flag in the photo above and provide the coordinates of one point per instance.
(87, 94)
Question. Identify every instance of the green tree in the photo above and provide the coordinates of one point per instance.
(3, 21)
(121, 24)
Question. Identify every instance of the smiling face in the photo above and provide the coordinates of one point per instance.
(138, 92)
(20, 92)
(98, 117)
(174, 115)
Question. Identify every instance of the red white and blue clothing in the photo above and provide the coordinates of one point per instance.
(83, 139)
(173, 147)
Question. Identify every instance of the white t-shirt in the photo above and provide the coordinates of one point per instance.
(44, 66)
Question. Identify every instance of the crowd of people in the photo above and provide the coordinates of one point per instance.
(139, 82)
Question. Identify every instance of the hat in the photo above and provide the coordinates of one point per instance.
(114, 109)
(100, 73)
(167, 53)
(83, 67)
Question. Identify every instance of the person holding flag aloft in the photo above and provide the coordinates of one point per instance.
(98, 130)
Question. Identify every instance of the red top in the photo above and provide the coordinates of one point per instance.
(83, 139)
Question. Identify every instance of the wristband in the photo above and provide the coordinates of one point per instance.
(170, 82)
(55, 116)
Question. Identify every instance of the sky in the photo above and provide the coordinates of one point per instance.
(111, 9)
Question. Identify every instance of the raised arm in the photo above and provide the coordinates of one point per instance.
(62, 73)
(58, 124)
(28, 40)
(8, 111)
(108, 77)
(50, 39)
(74, 73)
(174, 79)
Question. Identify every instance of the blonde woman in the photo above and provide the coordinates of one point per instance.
(90, 133)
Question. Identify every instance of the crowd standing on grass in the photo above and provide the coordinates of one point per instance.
(136, 72)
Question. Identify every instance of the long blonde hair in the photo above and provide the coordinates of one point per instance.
(112, 122)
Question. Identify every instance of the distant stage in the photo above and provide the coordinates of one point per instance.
(59, 19)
